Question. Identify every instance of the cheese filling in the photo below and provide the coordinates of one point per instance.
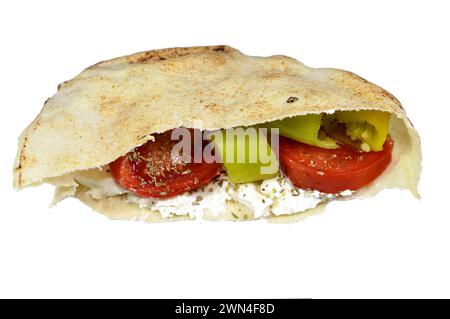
(272, 196)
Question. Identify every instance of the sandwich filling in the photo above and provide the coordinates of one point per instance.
(286, 166)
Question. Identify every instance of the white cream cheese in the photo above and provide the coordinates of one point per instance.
(210, 199)
(288, 199)
(276, 195)
(249, 195)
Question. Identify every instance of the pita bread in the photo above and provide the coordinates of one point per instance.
(115, 105)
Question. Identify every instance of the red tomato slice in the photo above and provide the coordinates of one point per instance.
(151, 171)
(331, 171)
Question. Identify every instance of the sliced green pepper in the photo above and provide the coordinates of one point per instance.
(368, 126)
(303, 128)
(246, 154)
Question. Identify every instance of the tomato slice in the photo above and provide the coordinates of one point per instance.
(151, 170)
(331, 170)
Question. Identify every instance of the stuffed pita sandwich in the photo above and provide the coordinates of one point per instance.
(211, 133)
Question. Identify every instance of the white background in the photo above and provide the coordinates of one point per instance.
(389, 246)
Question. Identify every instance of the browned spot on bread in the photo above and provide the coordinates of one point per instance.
(163, 54)
(214, 107)
(60, 85)
(356, 76)
(391, 97)
(219, 48)
(22, 158)
(292, 99)
(147, 56)
(272, 76)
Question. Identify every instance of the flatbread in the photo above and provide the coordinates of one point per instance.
(115, 105)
